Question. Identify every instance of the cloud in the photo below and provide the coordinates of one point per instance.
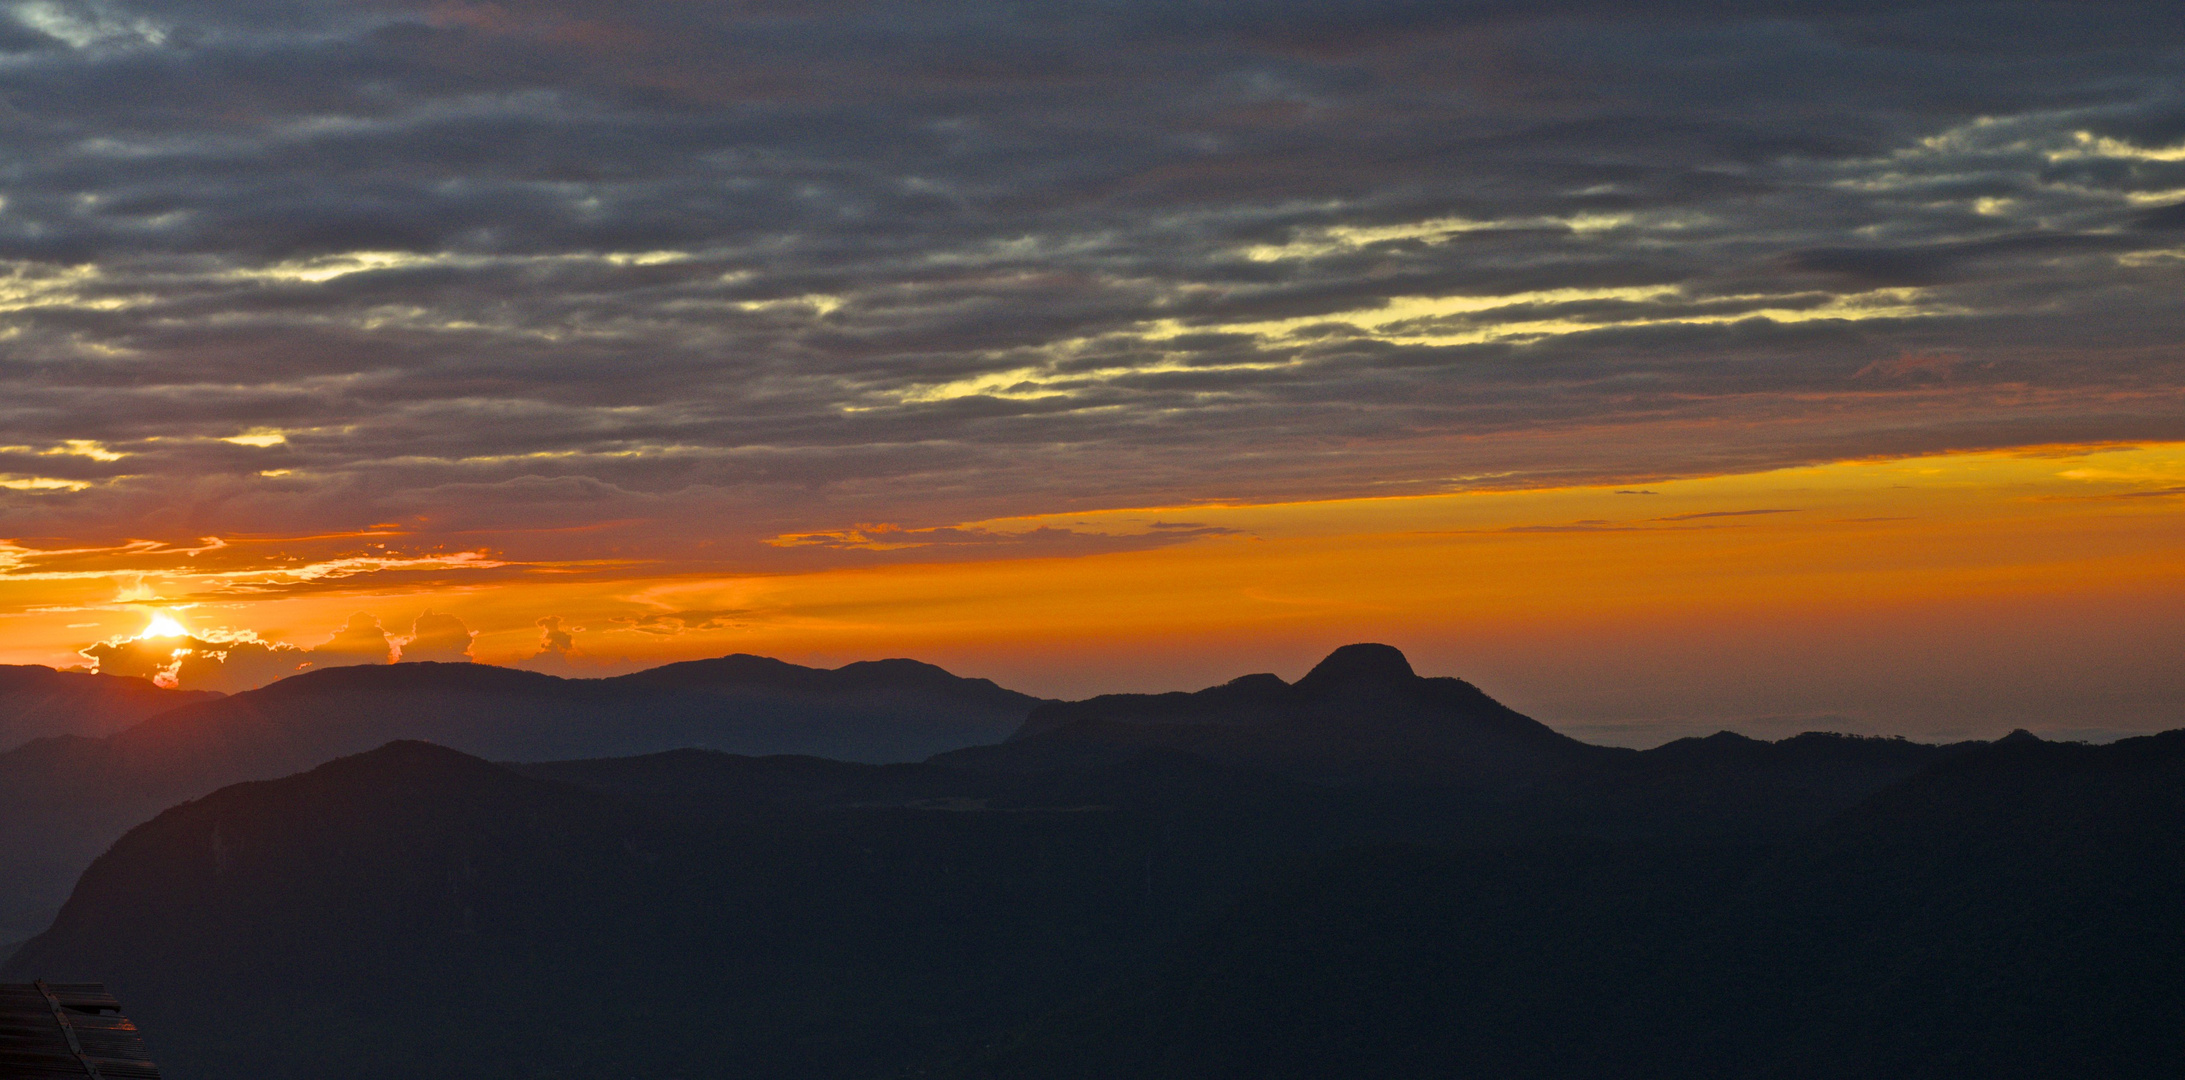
(1914, 365)
(671, 623)
(2169, 218)
(438, 637)
(361, 641)
(134, 658)
(577, 280)
(232, 667)
(1724, 514)
(960, 541)
(233, 661)
(1573, 527)
(1871, 266)
(558, 652)
(553, 640)
(2150, 493)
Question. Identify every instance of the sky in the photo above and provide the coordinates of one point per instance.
(1659, 367)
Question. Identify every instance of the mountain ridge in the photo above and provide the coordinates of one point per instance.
(1361, 718)
(62, 800)
(2007, 911)
(40, 702)
(433, 890)
(840, 920)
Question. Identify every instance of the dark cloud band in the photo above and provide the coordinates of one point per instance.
(568, 277)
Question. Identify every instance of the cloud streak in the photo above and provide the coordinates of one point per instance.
(565, 282)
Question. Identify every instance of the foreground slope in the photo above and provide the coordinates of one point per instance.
(63, 800)
(2009, 913)
(415, 911)
(39, 702)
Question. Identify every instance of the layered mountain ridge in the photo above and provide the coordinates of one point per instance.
(62, 800)
(39, 702)
(1365, 871)
(1362, 716)
(413, 910)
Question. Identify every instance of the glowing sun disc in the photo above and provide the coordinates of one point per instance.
(163, 625)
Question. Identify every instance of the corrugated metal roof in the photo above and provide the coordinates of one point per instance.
(71, 1030)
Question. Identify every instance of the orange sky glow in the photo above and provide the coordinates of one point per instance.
(1952, 594)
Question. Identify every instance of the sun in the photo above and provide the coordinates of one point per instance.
(163, 625)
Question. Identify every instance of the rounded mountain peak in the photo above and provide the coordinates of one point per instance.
(1364, 663)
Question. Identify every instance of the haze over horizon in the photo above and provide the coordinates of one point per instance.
(1657, 367)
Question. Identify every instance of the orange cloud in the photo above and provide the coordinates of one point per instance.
(438, 637)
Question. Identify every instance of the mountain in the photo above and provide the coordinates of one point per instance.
(1362, 716)
(2006, 911)
(1042, 907)
(889, 710)
(39, 702)
(416, 911)
(63, 800)
(2009, 912)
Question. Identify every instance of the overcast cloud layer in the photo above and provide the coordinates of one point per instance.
(662, 280)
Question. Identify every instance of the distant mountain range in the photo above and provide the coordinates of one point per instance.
(1361, 714)
(1361, 873)
(64, 799)
(1363, 718)
(39, 702)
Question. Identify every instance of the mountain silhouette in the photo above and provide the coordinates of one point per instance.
(416, 911)
(2007, 913)
(1363, 716)
(1113, 892)
(39, 702)
(1360, 714)
(62, 800)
